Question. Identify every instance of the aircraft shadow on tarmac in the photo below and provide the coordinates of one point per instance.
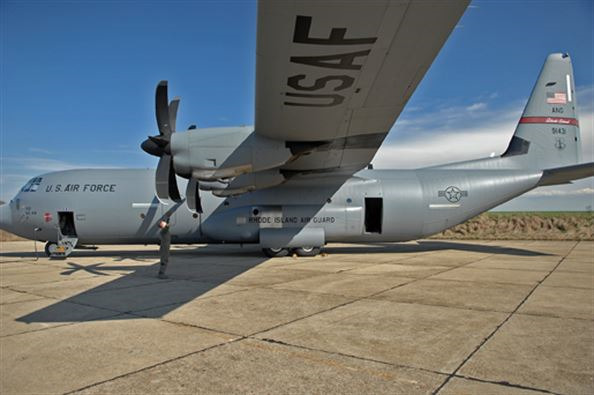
(431, 245)
(137, 293)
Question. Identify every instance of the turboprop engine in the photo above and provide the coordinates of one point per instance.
(229, 161)
(222, 153)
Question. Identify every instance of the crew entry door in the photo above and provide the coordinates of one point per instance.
(66, 222)
(67, 238)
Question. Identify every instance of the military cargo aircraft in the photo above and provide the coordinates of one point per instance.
(330, 83)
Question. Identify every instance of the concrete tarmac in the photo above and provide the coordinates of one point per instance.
(447, 317)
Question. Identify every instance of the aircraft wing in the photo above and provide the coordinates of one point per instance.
(335, 75)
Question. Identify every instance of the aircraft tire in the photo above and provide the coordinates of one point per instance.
(307, 251)
(49, 247)
(275, 252)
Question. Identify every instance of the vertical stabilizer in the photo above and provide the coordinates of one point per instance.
(548, 135)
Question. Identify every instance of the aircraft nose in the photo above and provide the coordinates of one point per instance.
(5, 217)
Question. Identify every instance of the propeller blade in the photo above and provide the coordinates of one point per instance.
(173, 105)
(162, 177)
(173, 189)
(162, 110)
(165, 182)
(193, 196)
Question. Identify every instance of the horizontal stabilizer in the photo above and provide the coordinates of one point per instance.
(562, 175)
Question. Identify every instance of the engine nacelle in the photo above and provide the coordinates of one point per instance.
(219, 153)
(251, 182)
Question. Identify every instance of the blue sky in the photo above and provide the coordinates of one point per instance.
(78, 78)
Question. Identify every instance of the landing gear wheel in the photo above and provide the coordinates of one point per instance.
(307, 251)
(275, 252)
(50, 248)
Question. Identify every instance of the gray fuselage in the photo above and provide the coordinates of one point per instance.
(119, 206)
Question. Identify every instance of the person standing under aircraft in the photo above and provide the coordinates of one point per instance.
(164, 247)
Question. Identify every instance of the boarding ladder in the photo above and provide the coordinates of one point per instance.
(66, 244)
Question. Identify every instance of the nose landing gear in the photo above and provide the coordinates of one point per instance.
(51, 248)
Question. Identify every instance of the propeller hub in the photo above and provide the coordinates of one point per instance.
(153, 146)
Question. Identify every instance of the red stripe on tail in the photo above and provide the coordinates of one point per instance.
(549, 120)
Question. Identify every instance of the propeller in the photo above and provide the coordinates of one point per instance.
(193, 196)
(160, 146)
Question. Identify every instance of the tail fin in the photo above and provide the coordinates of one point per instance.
(548, 134)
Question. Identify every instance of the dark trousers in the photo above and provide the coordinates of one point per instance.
(164, 249)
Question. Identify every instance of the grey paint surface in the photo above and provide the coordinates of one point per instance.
(312, 41)
(129, 211)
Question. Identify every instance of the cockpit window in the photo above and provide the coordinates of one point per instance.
(32, 185)
(27, 186)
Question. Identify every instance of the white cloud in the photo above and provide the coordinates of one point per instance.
(39, 150)
(417, 140)
(576, 196)
(477, 106)
(587, 134)
(44, 164)
(585, 97)
(447, 143)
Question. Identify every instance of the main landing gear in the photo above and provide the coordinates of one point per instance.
(300, 251)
